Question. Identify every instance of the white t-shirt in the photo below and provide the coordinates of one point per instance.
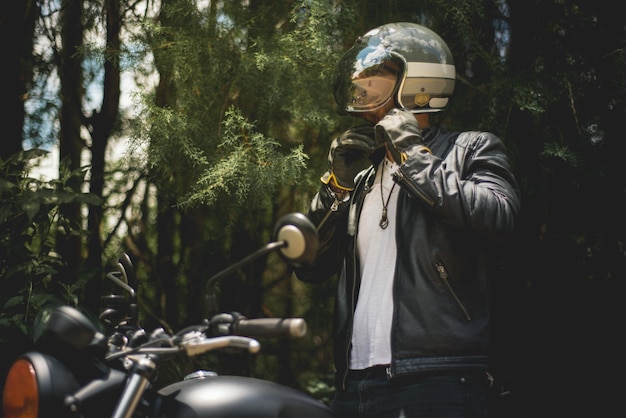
(377, 253)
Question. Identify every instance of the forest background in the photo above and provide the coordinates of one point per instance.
(186, 128)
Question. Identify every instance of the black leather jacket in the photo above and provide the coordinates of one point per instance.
(452, 205)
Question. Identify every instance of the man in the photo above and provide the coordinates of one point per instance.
(406, 214)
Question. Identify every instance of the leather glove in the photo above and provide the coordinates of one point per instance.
(348, 155)
(400, 132)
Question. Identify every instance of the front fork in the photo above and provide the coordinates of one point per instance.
(143, 371)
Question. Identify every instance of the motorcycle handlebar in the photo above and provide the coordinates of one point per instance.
(193, 348)
(233, 323)
(270, 327)
(231, 330)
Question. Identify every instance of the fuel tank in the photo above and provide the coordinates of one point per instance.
(236, 397)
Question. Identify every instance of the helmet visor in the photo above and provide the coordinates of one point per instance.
(366, 78)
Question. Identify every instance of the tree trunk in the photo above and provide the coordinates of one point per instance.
(17, 25)
(70, 142)
(103, 123)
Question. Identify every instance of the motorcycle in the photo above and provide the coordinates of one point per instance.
(77, 371)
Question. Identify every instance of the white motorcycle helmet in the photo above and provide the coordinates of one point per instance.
(403, 59)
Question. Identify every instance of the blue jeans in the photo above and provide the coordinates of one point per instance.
(370, 394)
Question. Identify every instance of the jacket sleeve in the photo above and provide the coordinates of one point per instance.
(330, 217)
(471, 186)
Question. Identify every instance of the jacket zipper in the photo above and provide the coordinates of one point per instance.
(443, 275)
(351, 321)
(359, 204)
(402, 179)
(333, 208)
(361, 194)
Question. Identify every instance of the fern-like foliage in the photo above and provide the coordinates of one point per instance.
(250, 169)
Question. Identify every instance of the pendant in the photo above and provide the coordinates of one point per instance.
(384, 222)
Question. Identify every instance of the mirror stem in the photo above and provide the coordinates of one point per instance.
(211, 301)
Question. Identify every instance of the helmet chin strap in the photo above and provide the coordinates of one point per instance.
(423, 119)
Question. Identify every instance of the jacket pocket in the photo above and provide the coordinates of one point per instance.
(445, 279)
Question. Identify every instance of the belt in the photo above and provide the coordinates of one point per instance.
(383, 370)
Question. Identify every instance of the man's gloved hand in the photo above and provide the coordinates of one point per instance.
(400, 131)
(348, 155)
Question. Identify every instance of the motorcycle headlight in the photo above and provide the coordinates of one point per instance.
(36, 386)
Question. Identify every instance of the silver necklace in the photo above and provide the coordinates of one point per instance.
(384, 221)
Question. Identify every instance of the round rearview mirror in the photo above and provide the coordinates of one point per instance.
(300, 238)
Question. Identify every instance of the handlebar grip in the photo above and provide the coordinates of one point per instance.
(270, 327)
